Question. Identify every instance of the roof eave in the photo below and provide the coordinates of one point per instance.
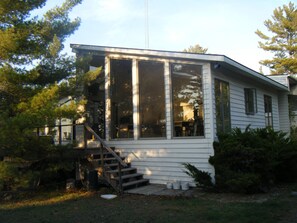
(209, 57)
(256, 75)
(76, 48)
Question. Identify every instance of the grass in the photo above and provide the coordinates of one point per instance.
(89, 207)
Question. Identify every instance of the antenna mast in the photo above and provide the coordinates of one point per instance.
(146, 37)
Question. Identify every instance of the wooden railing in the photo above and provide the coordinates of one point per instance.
(104, 146)
(55, 131)
(118, 158)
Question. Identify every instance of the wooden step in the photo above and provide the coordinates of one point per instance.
(105, 159)
(115, 165)
(111, 158)
(111, 164)
(123, 170)
(127, 176)
(105, 154)
(135, 183)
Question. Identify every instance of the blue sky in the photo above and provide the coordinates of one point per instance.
(223, 26)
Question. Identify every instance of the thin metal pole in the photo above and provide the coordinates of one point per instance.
(147, 34)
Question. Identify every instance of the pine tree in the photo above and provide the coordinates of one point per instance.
(283, 41)
(196, 49)
(34, 75)
(31, 65)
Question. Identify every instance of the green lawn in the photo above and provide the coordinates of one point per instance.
(89, 207)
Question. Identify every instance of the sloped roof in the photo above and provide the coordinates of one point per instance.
(217, 59)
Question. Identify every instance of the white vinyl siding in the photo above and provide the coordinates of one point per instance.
(283, 105)
(161, 160)
(239, 118)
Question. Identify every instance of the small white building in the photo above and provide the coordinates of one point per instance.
(161, 109)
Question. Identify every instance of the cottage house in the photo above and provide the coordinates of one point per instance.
(160, 109)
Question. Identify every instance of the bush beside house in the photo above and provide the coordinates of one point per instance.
(253, 160)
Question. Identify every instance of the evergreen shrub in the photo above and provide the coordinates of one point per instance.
(253, 160)
(35, 162)
(202, 178)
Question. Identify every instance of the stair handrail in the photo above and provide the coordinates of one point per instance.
(103, 146)
(119, 159)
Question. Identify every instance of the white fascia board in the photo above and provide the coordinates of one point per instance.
(141, 52)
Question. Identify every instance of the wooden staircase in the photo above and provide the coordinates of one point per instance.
(113, 168)
(119, 177)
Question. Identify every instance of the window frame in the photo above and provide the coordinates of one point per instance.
(140, 97)
(225, 128)
(183, 63)
(114, 124)
(250, 98)
(268, 115)
(168, 95)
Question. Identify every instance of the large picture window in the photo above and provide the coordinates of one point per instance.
(151, 99)
(222, 100)
(268, 110)
(187, 100)
(121, 98)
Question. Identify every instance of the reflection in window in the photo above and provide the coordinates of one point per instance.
(121, 99)
(222, 98)
(96, 97)
(268, 110)
(187, 96)
(151, 99)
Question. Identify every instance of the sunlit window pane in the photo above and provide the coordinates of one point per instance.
(187, 96)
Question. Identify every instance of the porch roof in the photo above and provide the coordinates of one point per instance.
(215, 59)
